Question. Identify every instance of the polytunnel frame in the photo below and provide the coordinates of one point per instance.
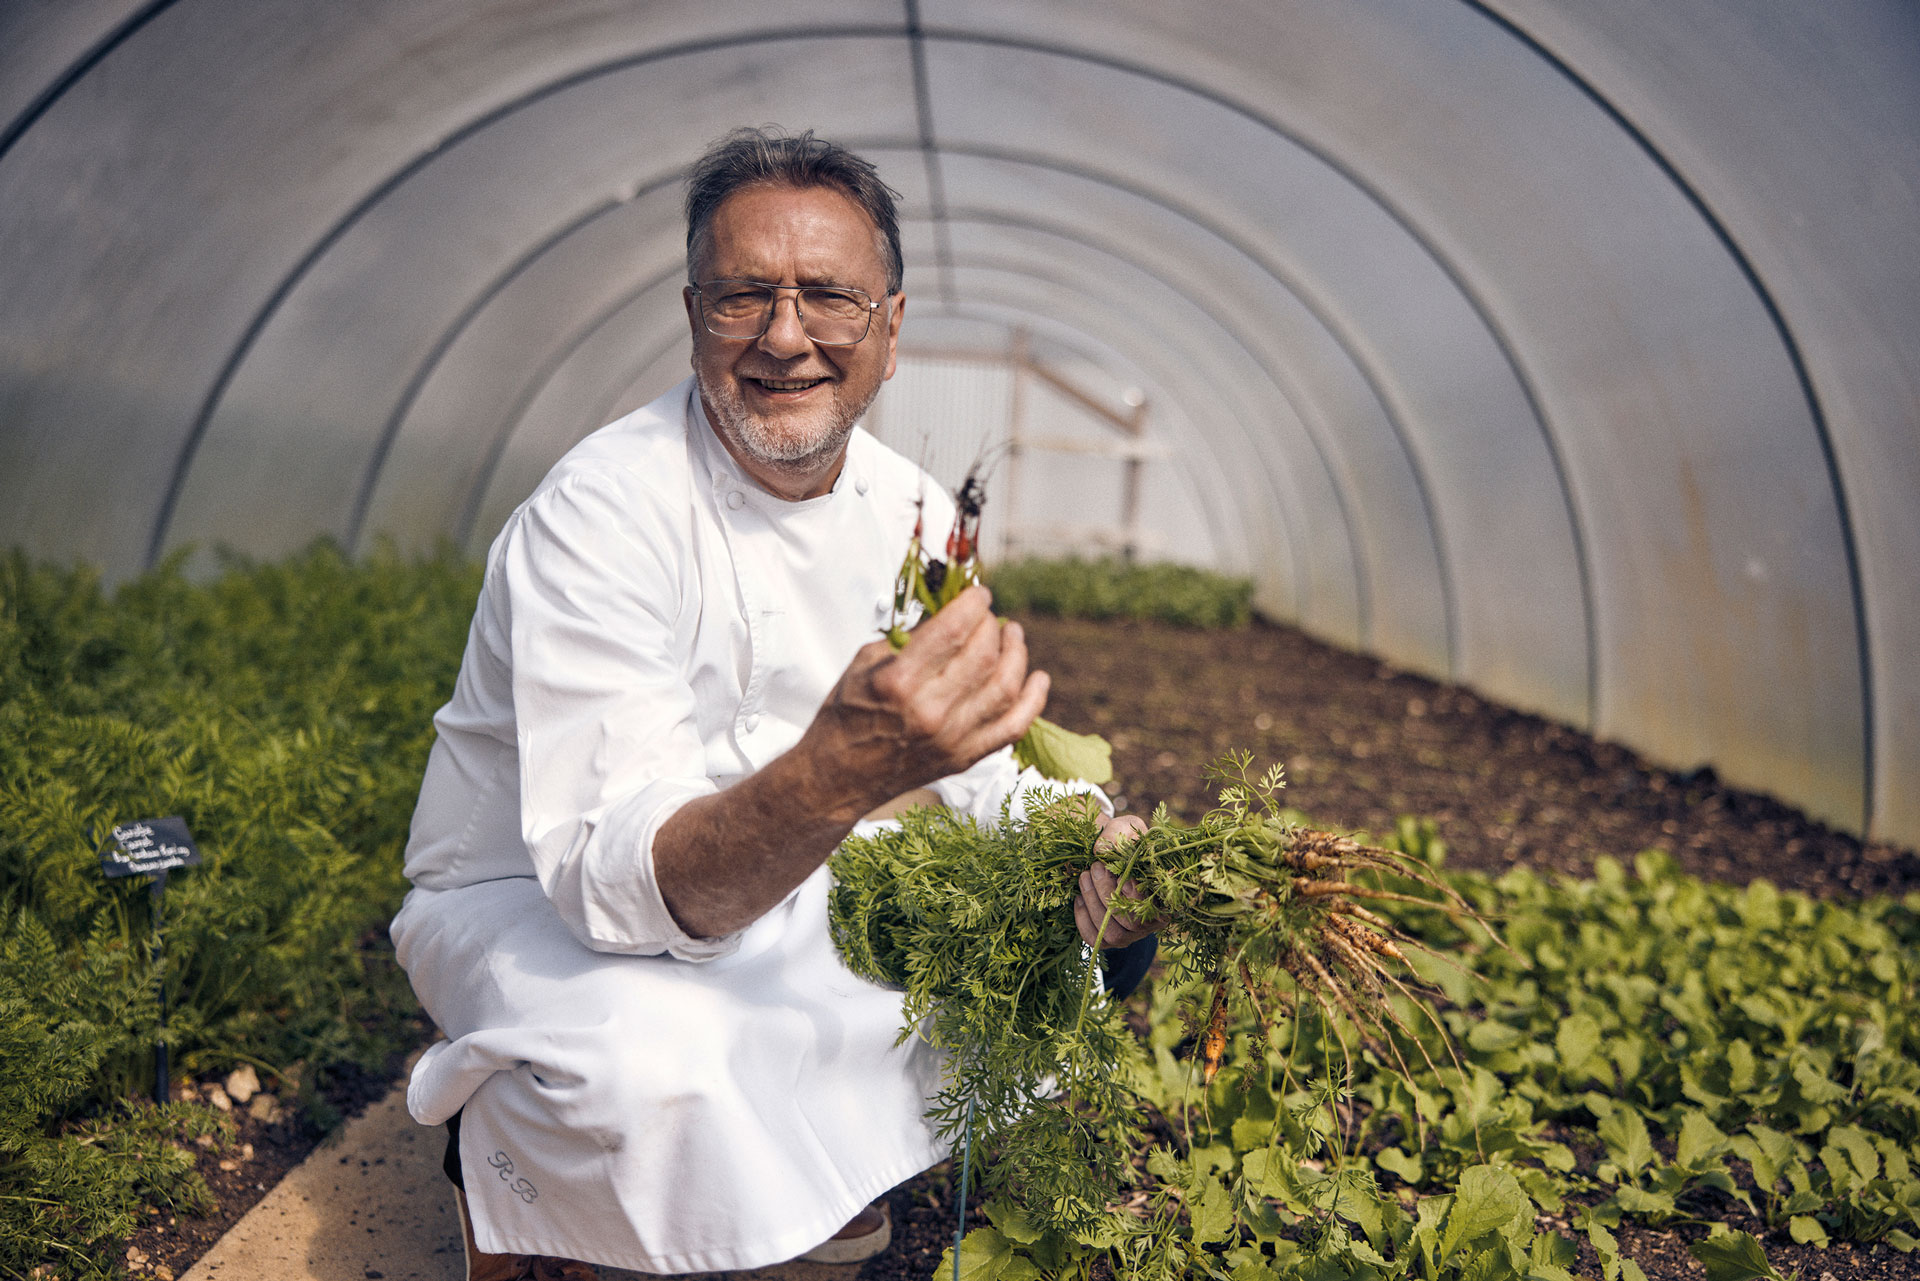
(451, 334)
(944, 261)
(537, 382)
(1078, 342)
(1073, 288)
(916, 33)
(76, 71)
(511, 422)
(1364, 599)
(189, 448)
(476, 501)
(1694, 199)
(1442, 261)
(931, 151)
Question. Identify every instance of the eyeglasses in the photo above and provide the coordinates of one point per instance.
(829, 315)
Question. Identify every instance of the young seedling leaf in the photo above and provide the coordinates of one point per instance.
(1062, 754)
(1625, 1133)
(1488, 1200)
(984, 1256)
(1734, 1256)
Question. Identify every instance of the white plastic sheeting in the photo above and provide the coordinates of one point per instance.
(1568, 350)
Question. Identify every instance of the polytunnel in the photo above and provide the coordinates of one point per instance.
(1567, 350)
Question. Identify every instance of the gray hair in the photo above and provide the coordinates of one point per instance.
(750, 157)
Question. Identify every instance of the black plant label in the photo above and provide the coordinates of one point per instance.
(148, 845)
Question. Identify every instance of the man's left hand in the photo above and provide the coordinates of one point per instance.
(1099, 884)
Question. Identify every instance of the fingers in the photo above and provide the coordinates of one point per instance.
(962, 681)
(946, 655)
(958, 690)
(1090, 908)
(988, 666)
(1099, 883)
(1086, 922)
(1121, 930)
(935, 641)
(1120, 829)
(1004, 705)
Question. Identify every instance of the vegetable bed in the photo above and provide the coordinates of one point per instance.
(284, 712)
(1365, 744)
(1652, 1057)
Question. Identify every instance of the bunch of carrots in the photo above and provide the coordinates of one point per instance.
(975, 926)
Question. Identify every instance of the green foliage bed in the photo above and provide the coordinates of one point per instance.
(285, 712)
(1112, 588)
(1653, 1050)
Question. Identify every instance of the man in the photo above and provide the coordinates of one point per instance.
(674, 705)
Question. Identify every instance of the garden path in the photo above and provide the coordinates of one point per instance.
(371, 1204)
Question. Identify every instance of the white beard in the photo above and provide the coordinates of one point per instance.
(754, 437)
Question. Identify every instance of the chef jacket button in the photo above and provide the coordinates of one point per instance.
(752, 722)
(736, 500)
(860, 484)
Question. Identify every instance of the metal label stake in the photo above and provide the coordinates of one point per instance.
(151, 847)
(156, 893)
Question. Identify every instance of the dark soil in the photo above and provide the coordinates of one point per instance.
(1362, 744)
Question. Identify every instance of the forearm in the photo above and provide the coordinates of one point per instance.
(893, 723)
(723, 860)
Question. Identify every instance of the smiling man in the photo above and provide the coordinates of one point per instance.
(674, 705)
(784, 402)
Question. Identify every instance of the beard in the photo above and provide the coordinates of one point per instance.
(789, 444)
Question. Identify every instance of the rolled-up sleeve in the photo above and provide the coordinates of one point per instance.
(596, 607)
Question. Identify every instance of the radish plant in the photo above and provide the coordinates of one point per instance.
(927, 583)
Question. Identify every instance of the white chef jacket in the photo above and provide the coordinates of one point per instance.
(654, 626)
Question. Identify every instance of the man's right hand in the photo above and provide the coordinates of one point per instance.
(959, 690)
(894, 722)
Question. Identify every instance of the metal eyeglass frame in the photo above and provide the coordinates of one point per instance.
(700, 291)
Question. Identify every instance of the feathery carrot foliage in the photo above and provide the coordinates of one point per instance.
(284, 710)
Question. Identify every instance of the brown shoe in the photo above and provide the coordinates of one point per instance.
(482, 1266)
(869, 1233)
(548, 1269)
